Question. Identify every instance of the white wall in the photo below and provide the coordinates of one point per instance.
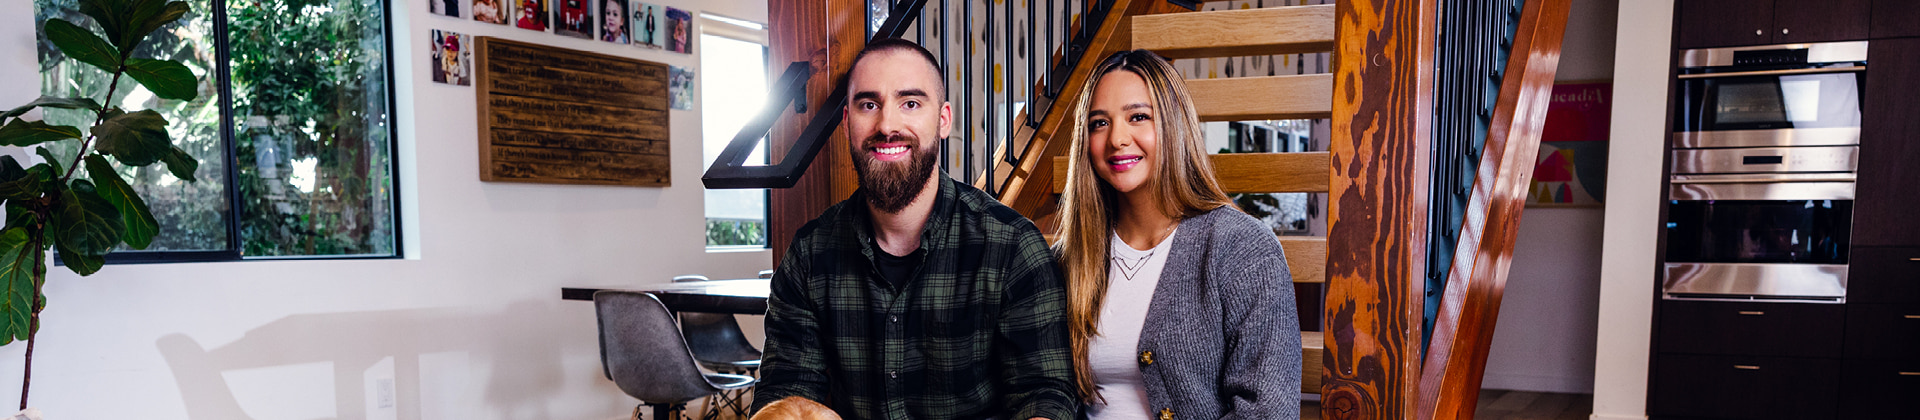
(470, 326)
(1544, 339)
(1633, 209)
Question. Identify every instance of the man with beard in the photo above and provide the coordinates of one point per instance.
(918, 297)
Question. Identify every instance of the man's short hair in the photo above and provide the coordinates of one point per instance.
(897, 44)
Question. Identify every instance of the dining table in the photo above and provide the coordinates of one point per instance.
(739, 297)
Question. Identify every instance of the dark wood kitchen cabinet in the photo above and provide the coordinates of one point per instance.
(1728, 23)
(1886, 209)
(1895, 18)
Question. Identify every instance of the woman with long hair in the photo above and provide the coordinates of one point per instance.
(1180, 305)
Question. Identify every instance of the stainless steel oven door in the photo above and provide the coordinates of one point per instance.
(1819, 283)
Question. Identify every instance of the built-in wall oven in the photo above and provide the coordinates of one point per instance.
(1764, 152)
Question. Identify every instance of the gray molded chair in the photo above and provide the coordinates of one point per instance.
(645, 355)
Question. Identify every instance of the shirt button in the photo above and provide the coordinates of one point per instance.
(893, 374)
(893, 318)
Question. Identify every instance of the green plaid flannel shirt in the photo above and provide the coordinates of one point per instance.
(979, 332)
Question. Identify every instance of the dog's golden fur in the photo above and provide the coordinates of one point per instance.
(795, 408)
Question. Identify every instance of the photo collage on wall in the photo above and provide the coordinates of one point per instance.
(627, 22)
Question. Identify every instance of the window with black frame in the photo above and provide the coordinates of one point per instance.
(293, 128)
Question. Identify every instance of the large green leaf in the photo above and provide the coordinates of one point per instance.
(16, 278)
(181, 164)
(133, 211)
(81, 44)
(16, 183)
(53, 163)
(19, 216)
(166, 79)
(127, 22)
(52, 102)
(81, 264)
(86, 223)
(22, 133)
(135, 139)
(150, 15)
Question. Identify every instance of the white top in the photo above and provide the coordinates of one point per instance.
(1131, 277)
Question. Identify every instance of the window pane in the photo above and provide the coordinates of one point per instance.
(734, 79)
(192, 216)
(311, 127)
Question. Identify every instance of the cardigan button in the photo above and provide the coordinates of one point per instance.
(1146, 358)
(1166, 414)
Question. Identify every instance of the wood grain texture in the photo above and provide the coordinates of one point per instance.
(560, 116)
(1240, 173)
(1376, 233)
(1887, 192)
(1306, 258)
(1233, 33)
(1307, 96)
(1463, 327)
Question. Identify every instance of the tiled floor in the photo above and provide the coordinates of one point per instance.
(1512, 405)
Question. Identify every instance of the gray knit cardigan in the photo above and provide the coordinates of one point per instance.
(1222, 330)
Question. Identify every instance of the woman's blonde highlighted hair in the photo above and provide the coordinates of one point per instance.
(1183, 179)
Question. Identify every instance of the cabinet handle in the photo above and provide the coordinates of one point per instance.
(1759, 32)
(1784, 31)
(1746, 367)
(1913, 316)
(1752, 313)
(1914, 259)
(1909, 373)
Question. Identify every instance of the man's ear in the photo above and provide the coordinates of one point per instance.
(946, 119)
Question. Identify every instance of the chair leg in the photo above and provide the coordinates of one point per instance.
(663, 411)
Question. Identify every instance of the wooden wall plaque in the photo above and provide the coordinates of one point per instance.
(560, 116)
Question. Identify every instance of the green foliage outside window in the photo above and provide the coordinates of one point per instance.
(731, 232)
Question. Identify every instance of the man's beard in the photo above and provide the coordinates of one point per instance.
(890, 186)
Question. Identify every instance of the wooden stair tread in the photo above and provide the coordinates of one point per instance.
(1233, 33)
(1308, 96)
(1312, 346)
(1241, 173)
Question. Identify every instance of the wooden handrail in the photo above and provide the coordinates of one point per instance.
(1463, 331)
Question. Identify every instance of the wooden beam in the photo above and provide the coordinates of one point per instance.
(1240, 173)
(1233, 33)
(1463, 328)
(827, 34)
(1377, 208)
(1301, 97)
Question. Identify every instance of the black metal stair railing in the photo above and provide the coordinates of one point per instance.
(999, 110)
(1470, 59)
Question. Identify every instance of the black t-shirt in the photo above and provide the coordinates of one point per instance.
(897, 270)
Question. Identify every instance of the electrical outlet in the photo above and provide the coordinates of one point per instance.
(384, 393)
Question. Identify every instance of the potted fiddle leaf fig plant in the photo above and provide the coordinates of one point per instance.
(82, 208)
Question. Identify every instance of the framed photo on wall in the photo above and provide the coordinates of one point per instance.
(532, 14)
(613, 22)
(648, 21)
(491, 11)
(573, 18)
